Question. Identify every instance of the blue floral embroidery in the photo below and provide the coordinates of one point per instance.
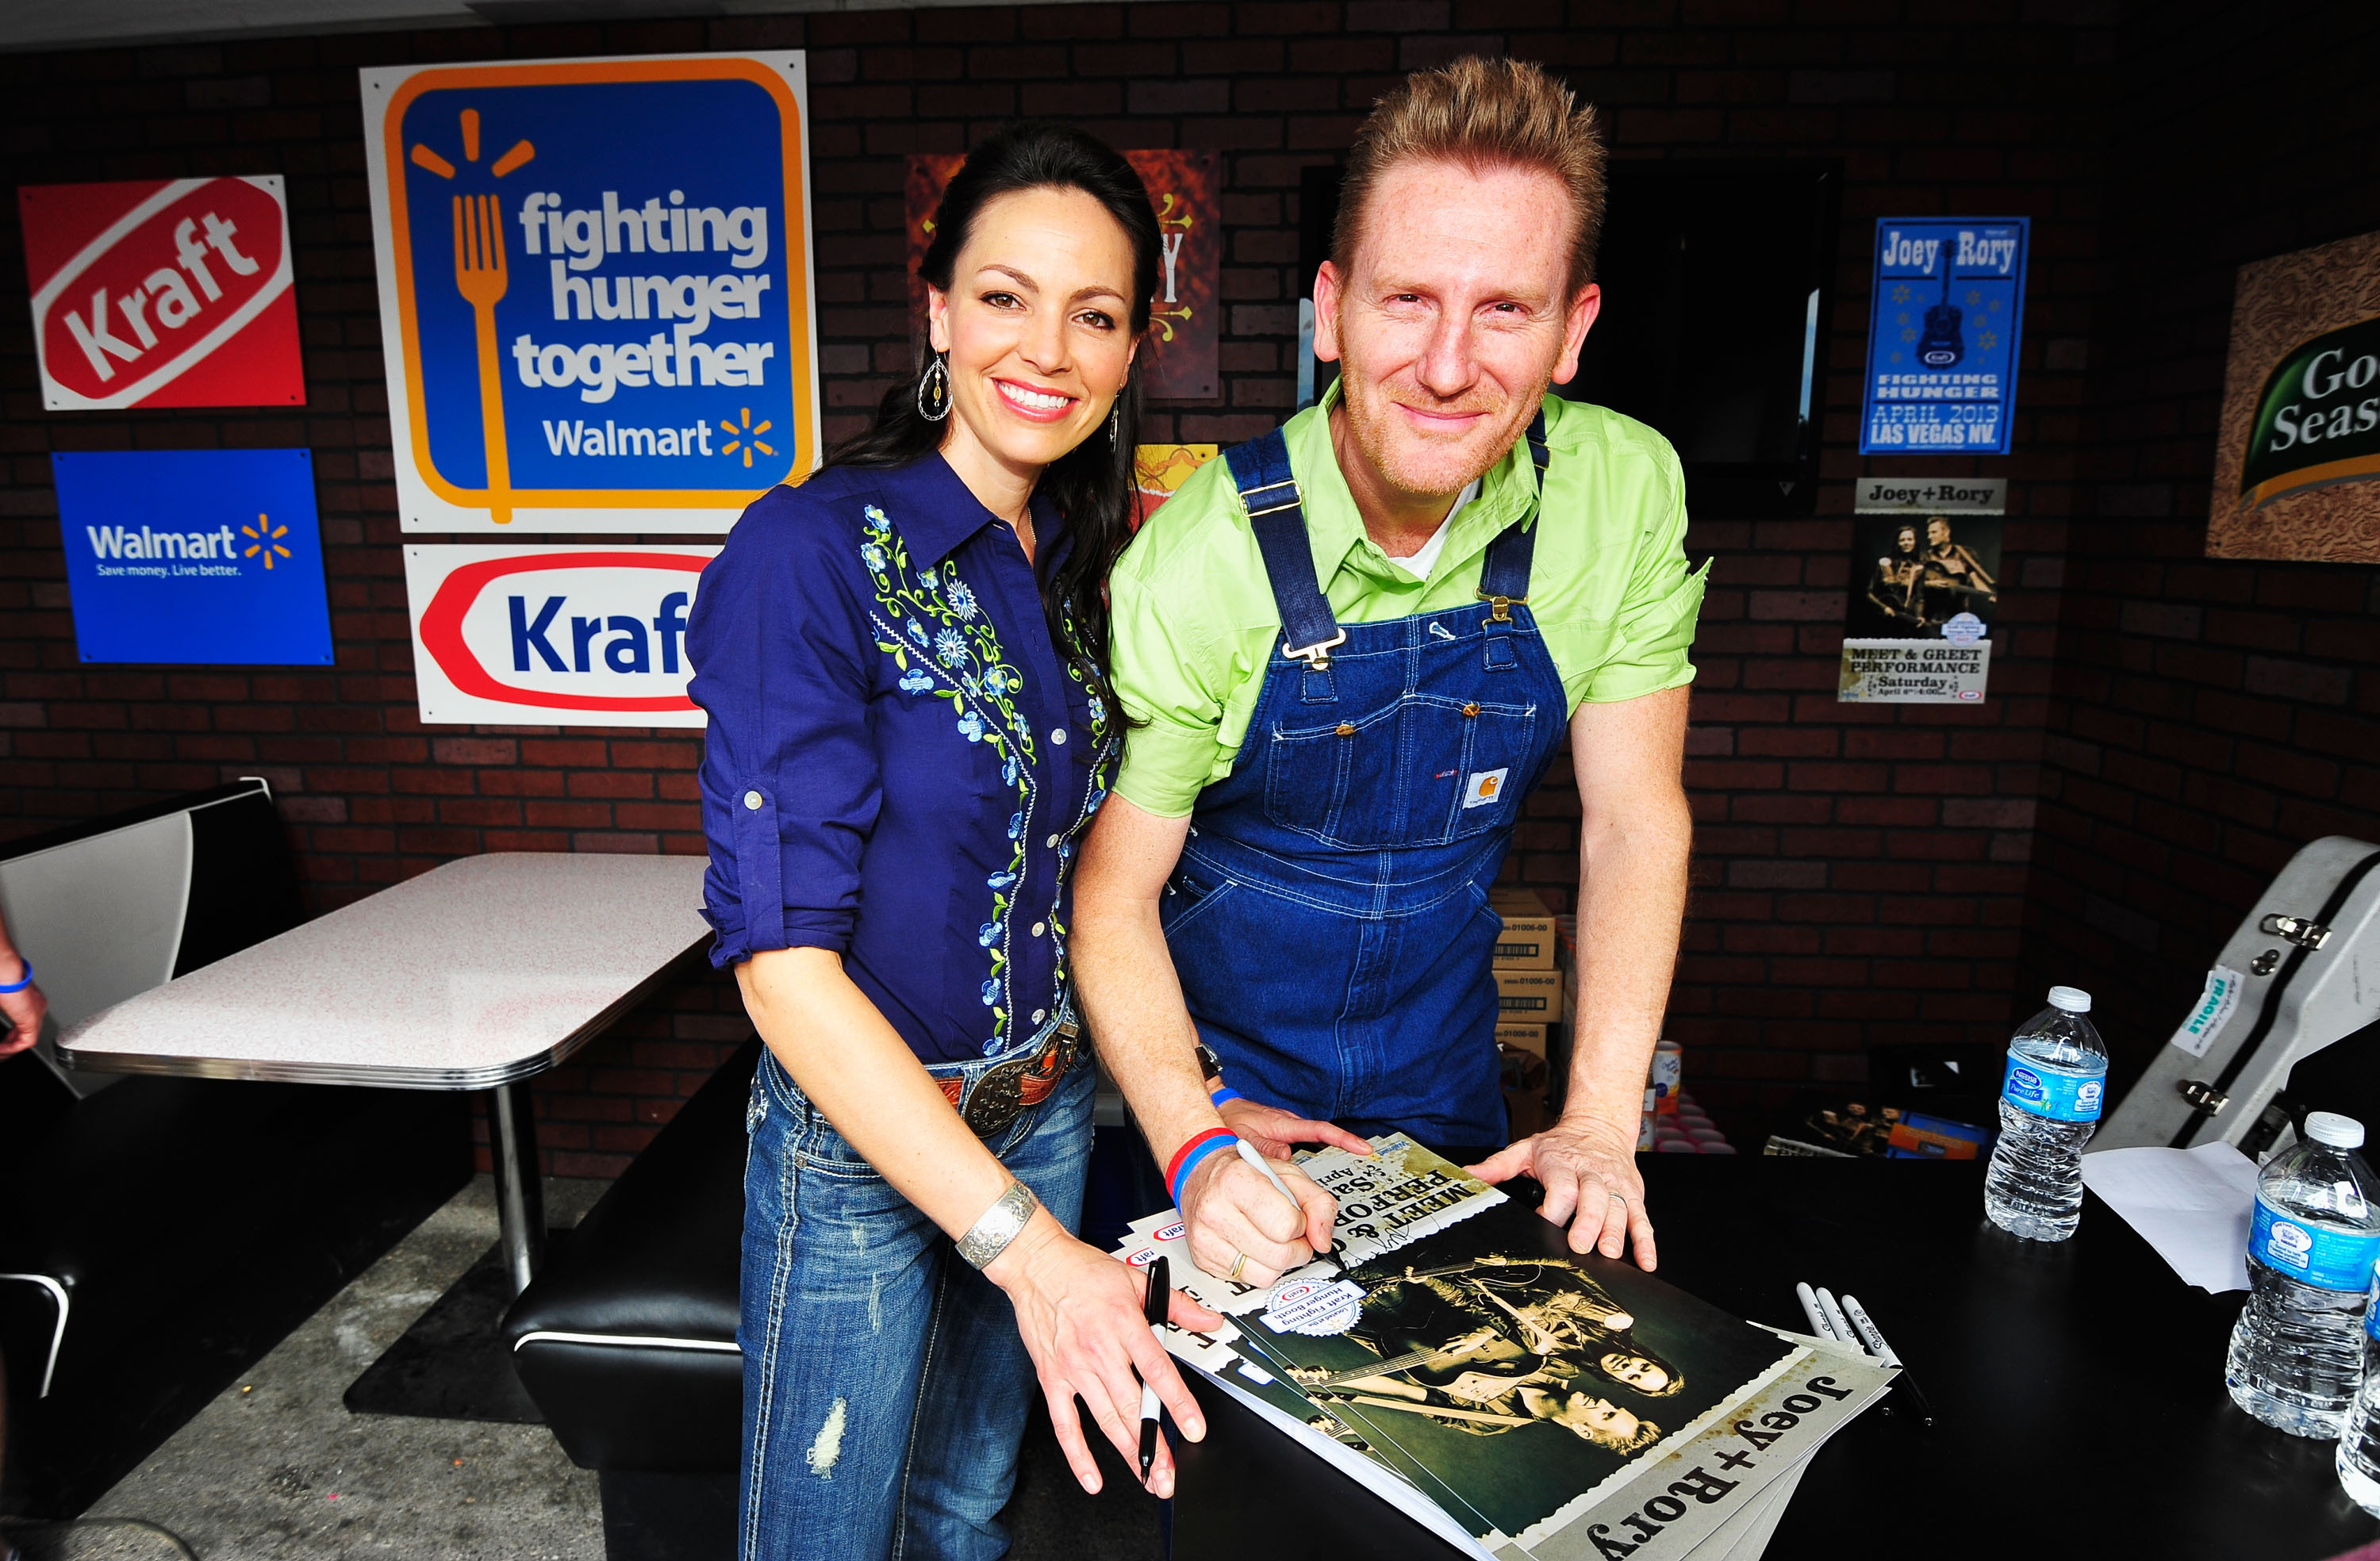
(930, 608)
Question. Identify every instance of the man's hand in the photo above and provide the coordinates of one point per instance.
(1230, 1213)
(1588, 1169)
(21, 1010)
(1275, 1132)
(1080, 1315)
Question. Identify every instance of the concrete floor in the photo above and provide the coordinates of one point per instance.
(277, 1470)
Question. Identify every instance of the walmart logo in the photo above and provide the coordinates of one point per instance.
(218, 552)
(264, 540)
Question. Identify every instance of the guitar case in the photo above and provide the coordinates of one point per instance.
(2302, 972)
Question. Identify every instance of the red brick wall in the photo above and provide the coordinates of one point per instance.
(1861, 876)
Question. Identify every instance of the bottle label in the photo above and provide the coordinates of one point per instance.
(2313, 1255)
(2371, 1307)
(2062, 1094)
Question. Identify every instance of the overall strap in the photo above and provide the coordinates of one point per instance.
(1504, 573)
(1277, 515)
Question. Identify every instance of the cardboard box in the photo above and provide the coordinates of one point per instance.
(1528, 940)
(1523, 1038)
(1528, 997)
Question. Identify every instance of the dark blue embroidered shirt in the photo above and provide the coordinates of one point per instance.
(899, 764)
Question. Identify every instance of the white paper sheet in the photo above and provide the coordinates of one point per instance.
(2193, 1206)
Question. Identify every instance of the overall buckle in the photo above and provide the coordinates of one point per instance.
(1317, 657)
(1501, 606)
(1248, 498)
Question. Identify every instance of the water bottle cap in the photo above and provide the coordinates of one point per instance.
(2329, 1127)
(2069, 1000)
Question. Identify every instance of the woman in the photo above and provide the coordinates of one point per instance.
(903, 663)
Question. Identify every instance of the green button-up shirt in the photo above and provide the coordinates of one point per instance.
(1194, 623)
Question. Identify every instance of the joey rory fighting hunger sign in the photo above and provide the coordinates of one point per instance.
(595, 289)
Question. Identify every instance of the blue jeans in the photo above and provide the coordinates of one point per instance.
(885, 1387)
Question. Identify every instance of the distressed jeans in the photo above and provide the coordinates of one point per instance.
(885, 1387)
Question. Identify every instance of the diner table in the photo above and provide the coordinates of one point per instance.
(479, 975)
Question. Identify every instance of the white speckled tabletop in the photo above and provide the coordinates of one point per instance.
(478, 972)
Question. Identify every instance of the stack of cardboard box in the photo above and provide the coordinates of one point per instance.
(1528, 998)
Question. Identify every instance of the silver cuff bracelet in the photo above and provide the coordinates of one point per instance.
(1001, 1224)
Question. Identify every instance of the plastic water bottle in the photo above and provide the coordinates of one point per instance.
(2359, 1445)
(2049, 1107)
(2297, 1352)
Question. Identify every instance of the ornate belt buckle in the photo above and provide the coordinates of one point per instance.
(1008, 1090)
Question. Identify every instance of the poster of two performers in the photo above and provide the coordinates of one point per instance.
(1924, 594)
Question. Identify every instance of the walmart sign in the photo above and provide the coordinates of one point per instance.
(595, 289)
(194, 557)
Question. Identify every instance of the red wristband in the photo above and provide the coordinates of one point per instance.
(1187, 1153)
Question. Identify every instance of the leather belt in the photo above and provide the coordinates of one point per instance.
(1001, 1092)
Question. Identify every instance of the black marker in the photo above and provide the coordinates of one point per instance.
(1874, 1338)
(1157, 1305)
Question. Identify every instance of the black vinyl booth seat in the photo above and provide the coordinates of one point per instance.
(159, 1234)
(626, 1340)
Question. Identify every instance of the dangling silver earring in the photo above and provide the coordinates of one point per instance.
(934, 391)
(1115, 416)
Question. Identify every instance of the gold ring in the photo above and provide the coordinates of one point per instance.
(1237, 1264)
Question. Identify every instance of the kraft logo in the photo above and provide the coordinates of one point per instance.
(166, 284)
(598, 632)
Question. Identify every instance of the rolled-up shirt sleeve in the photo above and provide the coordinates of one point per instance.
(1658, 615)
(783, 657)
(1165, 670)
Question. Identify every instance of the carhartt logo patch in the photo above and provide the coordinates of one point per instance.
(1485, 787)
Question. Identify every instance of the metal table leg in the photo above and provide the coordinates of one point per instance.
(520, 1188)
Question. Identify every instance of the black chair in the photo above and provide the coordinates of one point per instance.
(626, 1340)
(159, 1234)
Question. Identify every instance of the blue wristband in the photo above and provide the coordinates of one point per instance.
(23, 981)
(1215, 1140)
(1226, 1092)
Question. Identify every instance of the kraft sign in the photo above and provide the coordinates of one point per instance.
(162, 294)
(553, 636)
(194, 557)
(595, 289)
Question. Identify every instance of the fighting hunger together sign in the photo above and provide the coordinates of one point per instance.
(595, 289)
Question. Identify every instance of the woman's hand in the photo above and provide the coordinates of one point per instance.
(1080, 1314)
(1276, 1132)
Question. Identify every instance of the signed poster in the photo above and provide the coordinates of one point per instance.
(2297, 451)
(1925, 592)
(1182, 359)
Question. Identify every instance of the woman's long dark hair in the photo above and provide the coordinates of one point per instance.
(1092, 484)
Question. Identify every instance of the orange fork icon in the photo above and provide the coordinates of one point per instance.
(480, 276)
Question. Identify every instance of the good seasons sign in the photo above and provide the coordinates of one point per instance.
(595, 289)
(2317, 418)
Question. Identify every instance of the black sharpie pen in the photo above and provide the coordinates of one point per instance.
(1158, 1304)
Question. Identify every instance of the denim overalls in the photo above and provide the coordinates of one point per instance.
(1329, 917)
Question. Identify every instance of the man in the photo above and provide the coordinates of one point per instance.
(1956, 580)
(1345, 699)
